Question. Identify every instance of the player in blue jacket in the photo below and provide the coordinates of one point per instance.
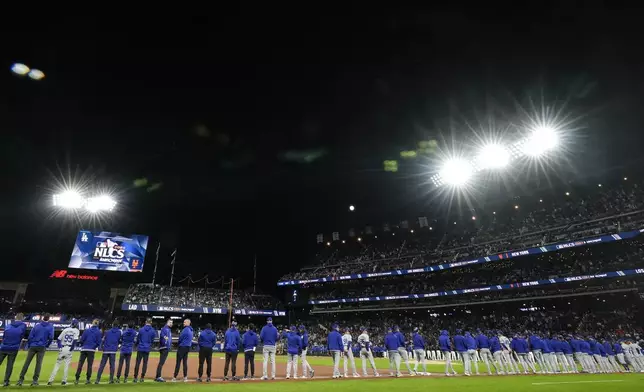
(470, 344)
(567, 351)
(497, 353)
(90, 341)
(445, 345)
(144, 341)
(185, 342)
(402, 350)
(127, 346)
(39, 339)
(335, 347)
(293, 348)
(461, 349)
(269, 336)
(165, 345)
(392, 344)
(307, 370)
(232, 345)
(111, 341)
(250, 341)
(207, 340)
(11, 340)
(483, 343)
(520, 347)
(610, 354)
(420, 348)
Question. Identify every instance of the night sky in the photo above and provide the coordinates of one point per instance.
(256, 128)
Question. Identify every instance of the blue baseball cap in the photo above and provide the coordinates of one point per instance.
(269, 320)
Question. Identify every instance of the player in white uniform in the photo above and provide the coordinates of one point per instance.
(66, 342)
(347, 346)
(365, 353)
(511, 365)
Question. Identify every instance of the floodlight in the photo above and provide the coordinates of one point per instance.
(456, 172)
(352, 208)
(492, 156)
(68, 199)
(36, 74)
(19, 69)
(100, 203)
(542, 140)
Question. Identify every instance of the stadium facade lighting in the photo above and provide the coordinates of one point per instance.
(473, 218)
(516, 207)
(359, 239)
(599, 185)
(20, 69)
(567, 193)
(343, 241)
(456, 172)
(625, 178)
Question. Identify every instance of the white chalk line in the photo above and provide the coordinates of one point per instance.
(573, 382)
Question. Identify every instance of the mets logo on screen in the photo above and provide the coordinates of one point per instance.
(109, 251)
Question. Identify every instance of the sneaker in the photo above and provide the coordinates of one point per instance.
(294, 377)
(399, 375)
(111, 381)
(356, 375)
(135, 380)
(159, 379)
(199, 379)
(312, 373)
(76, 382)
(225, 378)
(96, 382)
(185, 379)
(34, 384)
(5, 384)
(208, 379)
(118, 381)
(174, 379)
(412, 374)
(63, 383)
(345, 375)
(273, 378)
(377, 375)
(19, 383)
(88, 382)
(141, 379)
(288, 377)
(125, 380)
(50, 383)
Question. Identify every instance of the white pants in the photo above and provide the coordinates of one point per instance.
(562, 362)
(523, 362)
(571, 363)
(291, 363)
(499, 363)
(449, 368)
(335, 354)
(420, 358)
(538, 357)
(367, 355)
(64, 357)
(467, 365)
(486, 357)
(306, 367)
(473, 359)
(404, 357)
(348, 358)
(509, 360)
(269, 354)
(394, 362)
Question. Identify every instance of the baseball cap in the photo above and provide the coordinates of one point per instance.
(269, 320)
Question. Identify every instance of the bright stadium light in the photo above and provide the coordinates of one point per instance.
(19, 69)
(542, 140)
(456, 172)
(69, 200)
(492, 156)
(100, 203)
(36, 74)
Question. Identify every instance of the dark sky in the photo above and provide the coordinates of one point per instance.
(221, 107)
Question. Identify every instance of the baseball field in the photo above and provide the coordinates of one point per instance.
(322, 381)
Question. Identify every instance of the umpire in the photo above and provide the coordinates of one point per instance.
(207, 340)
(39, 339)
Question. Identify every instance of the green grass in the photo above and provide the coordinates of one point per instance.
(564, 383)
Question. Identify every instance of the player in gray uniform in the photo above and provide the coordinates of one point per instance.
(365, 353)
(347, 346)
(66, 342)
(402, 350)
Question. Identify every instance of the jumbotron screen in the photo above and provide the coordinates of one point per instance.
(108, 251)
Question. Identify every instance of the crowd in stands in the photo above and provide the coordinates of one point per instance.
(189, 296)
(604, 210)
(590, 259)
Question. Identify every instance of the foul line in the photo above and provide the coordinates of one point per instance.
(573, 382)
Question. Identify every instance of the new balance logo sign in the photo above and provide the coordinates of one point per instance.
(58, 274)
(84, 237)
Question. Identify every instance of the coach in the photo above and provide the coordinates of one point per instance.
(165, 344)
(185, 342)
(111, 342)
(207, 340)
(39, 339)
(144, 339)
(89, 341)
(231, 347)
(249, 342)
(127, 346)
(11, 344)
(269, 336)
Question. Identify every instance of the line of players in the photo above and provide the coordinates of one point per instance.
(554, 354)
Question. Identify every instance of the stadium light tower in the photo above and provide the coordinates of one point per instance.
(492, 156)
(68, 200)
(456, 172)
(73, 200)
(542, 140)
